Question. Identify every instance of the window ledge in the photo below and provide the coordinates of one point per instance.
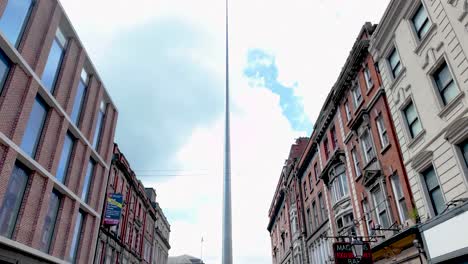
(358, 107)
(416, 139)
(421, 43)
(369, 90)
(384, 149)
(451, 105)
(396, 80)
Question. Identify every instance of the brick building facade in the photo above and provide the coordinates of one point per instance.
(56, 137)
(133, 239)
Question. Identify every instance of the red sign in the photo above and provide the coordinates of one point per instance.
(343, 252)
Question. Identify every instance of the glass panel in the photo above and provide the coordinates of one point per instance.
(13, 19)
(443, 76)
(12, 200)
(410, 113)
(419, 19)
(49, 223)
(97, 133)
(437, 200)
(87, 181)
(397, 187)
(78, 103)
(415, 128)
(65, 158)
(450, 92)
(52, 67)
(384, 219)
(464, 149)
(4, 69)
(33, 131)
(431, 179)
(424, 29)
(76, 237)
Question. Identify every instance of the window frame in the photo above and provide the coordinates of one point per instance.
(356, 162)
(406, 122)
(382, 129)
(54, 224)
(434, 79)
(427, 22)
(356, 87)
(398, 68)
(24, 24)
(368, 77)
(379, 212)
(38, 99)
(63, 46)
(396, 185)
(428, 193)
(84, 79)
(367, 151)
(4, 59)
(348, 113)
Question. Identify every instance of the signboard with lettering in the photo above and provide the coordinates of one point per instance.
(343, 252)
(113, 209)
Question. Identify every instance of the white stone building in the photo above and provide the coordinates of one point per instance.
(161, 242)
(421, 48)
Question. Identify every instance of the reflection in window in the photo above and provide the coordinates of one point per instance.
(87, 181)
(65, 158)
(433, 190)
(445, 83)
(54, 61)
(14, 19)
(412, 120)
(50, 220)
(34, 127)
(99, 127)
(79, 98)
(76, 237)
(12, 200)
(4, 69)
(421, 22)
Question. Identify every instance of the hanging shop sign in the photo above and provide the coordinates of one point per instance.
(352, 253)
(113, 209)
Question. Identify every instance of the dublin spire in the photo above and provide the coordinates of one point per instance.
(227, 218)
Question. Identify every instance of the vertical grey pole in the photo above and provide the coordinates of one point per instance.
(227, 218)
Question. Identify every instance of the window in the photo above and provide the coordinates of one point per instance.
(54, 61)
(75, 243)
(380, 205)
(309, 220)
(339, 184)
(4, 69)
(367, 146)
(382, 131)
(357, 96)
(445, 84)
(348, 111)
(368, 217)
(79, 98)
(316, 172)
(464, 149)
(14, 18)
(368, 77)
(87, 181)
(305, 187)
(310, 181)
(34, 127)
(357, 168)
(326, 149)
(412, 120)
(421, 22)
(49, 223)
(316, 215)
(333, 138)
(433, 190)
(399, 198)
(100, 119)
(395, 63)
(65, 157)
(12, 200)
(323, 209)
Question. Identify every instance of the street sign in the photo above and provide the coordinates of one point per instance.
(343, 253)
(113, 209)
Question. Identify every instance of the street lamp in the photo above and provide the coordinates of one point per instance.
(358, 248)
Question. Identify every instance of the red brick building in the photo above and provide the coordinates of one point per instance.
(132, 239)
(353, 181)
(57, 127)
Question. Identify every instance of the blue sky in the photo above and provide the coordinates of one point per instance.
(162, 62)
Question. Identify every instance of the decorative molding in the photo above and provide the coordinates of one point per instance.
(430, 54)
(421, 160)
(457, 130)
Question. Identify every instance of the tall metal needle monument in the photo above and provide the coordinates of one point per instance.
(227, 217)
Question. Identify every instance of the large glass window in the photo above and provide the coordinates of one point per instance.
(368, 217)
(4, 69)
(76, 237)
(380, 205)
(412, 120)
(334, 138)
(367, 146)
(357, 96)
(65, 157)
(100, 119)
(357, 167)
(316, 215)
(445, 83)
(14, 19)
(421, 22)
(12, 200)
(323, 209)
(382, 131)
(33, 131)
(433, 190)
(88, 179)
(368, 77)
(316, 172)
(395, 63)
(79, 98)
(54, 61)
(348, 111)
(339, 184)
(50, 220)
(399, 198)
